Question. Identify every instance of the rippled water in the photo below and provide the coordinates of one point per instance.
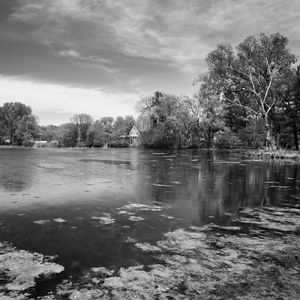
(56, 201)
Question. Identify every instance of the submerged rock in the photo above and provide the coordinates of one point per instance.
(19, 269)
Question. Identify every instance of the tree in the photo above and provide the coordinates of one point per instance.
(107, 124)
(96, 135)
(169, 120)
(18, 123)
(249, 76)
(67, 135)
(288, 108)
(208, 111)
(82, 123)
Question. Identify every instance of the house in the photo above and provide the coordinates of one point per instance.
(134, 137)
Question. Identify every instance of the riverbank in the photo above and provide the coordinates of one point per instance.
(279, 154)
(257, 257)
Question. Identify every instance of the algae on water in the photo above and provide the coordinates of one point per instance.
(19, 269)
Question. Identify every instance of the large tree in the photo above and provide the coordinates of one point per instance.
(169, 120)
(82, 123)
(18, 123)
(96, 135)
(207, 111)
(122, 126)
(249, 76)
(288, 108)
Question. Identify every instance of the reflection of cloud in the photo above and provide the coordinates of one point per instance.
(16, 172)
(15, 182)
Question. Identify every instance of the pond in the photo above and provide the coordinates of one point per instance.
(89, 206)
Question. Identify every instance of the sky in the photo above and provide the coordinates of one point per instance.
(100, 57)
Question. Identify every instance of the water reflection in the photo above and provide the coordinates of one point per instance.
(16, 169)
(193, 187)
(210, 183)
(214, 183)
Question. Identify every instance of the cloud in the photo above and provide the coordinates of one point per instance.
(179, 33)
(133, 46)
(55, 103)
(70, 53)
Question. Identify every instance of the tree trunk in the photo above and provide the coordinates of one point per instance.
(295, 132)
(208, 142)
(11, 136)
(269, 138)
(79, 136)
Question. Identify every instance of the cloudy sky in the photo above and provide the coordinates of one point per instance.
(100, 56)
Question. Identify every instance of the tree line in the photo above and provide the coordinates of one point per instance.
(83, 131)
(19, 127)
(249, 97)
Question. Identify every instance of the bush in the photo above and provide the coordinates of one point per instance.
(118, 144)
(227, 140)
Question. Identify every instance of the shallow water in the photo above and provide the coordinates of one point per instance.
(76, 203)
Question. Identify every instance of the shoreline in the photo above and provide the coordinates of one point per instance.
(273, 154)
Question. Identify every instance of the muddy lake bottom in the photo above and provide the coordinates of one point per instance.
(112, 217)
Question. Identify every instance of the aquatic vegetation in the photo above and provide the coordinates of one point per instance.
(256, 260)
(59, 220)
(102, 271)
(140, 207)
(281, 154)
(106, 220)
(161, 185)
(125, 212)
(41, 222)
(136, 219)
(167, 217)
(147, 247)
(19, 269)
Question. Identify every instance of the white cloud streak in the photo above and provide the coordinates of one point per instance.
(60, 102)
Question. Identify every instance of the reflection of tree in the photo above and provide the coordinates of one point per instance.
(16, 169)
(209, 184)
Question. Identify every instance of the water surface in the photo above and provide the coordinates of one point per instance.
(51, 199)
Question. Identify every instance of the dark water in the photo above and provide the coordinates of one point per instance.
(193, 188)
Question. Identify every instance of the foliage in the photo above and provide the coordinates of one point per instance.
(17, 123)
(170, 121)
(253, 135)
(118, 144)
(210, 112)
(249, 97)
(68, 136)
(122, 126)
(227, 140)
(96, 135)
(250, 76)
(82, 123)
